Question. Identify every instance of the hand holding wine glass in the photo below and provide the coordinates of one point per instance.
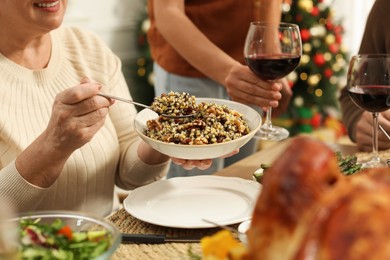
(272, 51)
(369, 88)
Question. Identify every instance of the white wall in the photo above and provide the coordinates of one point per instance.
(354, 15)
(114, 20)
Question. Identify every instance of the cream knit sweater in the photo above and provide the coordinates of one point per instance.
(87, 180)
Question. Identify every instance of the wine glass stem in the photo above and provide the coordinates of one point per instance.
(267, 125)
(375, 136)
(268, 121)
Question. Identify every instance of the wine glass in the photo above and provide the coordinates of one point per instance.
(369, 88)
(272, 51)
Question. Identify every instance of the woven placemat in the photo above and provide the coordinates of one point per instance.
(129, 224)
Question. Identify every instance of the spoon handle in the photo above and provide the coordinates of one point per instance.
(222, 226)
(124, 100)
(142, 105)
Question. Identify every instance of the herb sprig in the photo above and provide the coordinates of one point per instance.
(348, 164)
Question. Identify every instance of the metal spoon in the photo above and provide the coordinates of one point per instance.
(222, 226)
(142, 105)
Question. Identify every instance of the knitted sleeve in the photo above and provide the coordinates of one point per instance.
(131, 171)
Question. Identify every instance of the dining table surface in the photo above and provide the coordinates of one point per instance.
(244, 168)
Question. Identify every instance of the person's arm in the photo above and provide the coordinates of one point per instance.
(181, 33)
(241, 83)
(270, 11)
(76, 116)
(189, 41)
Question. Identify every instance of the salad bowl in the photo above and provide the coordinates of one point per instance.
(65, 235)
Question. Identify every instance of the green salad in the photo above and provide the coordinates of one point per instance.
(58, 241)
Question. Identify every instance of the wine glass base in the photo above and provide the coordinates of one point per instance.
(273, 133)
(374, 163)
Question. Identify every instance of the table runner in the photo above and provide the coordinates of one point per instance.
(129, 224)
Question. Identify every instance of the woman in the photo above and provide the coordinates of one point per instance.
(61, 145)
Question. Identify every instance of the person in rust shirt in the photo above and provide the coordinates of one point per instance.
(197, 46)
(376, 39)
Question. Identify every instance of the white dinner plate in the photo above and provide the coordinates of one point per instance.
(183, 202)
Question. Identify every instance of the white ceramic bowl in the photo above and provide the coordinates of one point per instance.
(78, 222)
(199, 152)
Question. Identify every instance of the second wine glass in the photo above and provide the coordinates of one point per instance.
(369, 88)
(272, 51)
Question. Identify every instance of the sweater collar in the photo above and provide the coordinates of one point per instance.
(36, 76)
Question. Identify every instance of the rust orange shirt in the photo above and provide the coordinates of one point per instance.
(224, 22)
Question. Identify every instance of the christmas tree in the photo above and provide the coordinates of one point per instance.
(321, 73)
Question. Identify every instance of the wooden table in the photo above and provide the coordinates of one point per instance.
(247, 166)
(244, 169)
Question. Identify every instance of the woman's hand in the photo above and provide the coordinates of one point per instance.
(200, 164)
(244, 86)
(78, 113)
(284, 102)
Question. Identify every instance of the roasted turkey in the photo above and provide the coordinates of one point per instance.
(309, 210)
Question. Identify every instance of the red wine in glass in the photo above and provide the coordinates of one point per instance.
(369, 88)
(272, 66)
(272, 51)
(375, 98)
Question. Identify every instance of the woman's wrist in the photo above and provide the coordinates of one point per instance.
(39, 164)
(151, 156)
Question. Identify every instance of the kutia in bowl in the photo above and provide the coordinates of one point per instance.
(218, 128)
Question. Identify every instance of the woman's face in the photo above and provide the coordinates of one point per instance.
(32, 16)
